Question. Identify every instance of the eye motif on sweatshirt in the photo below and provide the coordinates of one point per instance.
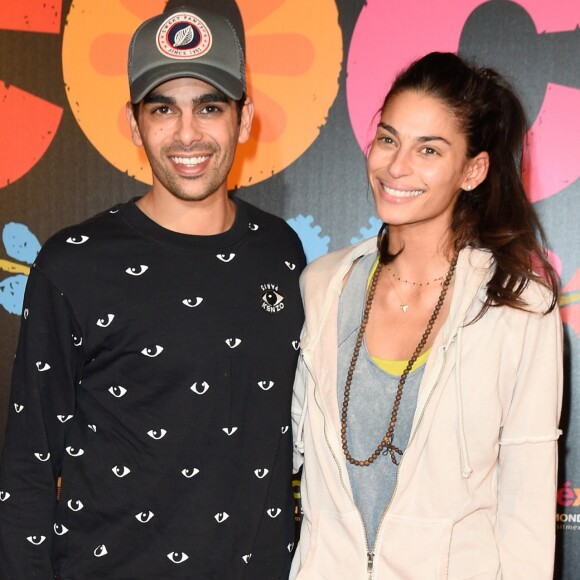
(272, 299)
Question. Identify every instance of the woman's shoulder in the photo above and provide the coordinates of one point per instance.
(336, 264)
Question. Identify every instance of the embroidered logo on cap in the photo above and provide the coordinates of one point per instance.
(184, 35)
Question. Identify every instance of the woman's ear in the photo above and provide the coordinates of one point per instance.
(477, 168)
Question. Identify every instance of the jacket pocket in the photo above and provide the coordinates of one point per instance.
(332, 547)
(412, 548)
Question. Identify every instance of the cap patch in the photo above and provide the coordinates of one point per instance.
(184, 35)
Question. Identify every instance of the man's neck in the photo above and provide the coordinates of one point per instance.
(211, 216)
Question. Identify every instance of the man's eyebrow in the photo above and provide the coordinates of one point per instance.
(158, 98)
(161, 99)
(423, 139)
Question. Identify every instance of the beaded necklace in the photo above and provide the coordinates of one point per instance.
(386, 443)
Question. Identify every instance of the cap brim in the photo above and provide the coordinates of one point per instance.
(228, 84)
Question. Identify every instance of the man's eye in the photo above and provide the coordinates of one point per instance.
(210, 109)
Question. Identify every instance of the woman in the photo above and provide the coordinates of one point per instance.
(429, 388)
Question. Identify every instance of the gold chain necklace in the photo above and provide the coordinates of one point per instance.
(404, 306)
(389, 269)
(387, 440)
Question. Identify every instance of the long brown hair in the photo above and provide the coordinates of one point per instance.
(497, 215)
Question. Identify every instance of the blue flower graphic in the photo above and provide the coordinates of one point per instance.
(21, 245)
(370, 232)
(314, 244)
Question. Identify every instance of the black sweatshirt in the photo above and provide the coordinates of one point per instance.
(154, 374)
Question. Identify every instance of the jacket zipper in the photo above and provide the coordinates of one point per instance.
(370, 554)
(420, 420)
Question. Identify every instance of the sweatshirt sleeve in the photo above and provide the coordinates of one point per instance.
(527, 473)
(42, 402)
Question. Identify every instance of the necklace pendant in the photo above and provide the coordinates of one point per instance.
(404, 307)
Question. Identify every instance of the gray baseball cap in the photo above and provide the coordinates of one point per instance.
(186, 42)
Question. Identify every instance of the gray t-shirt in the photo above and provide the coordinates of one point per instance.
(370, 405)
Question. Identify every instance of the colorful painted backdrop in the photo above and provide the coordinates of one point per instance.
(317, 72)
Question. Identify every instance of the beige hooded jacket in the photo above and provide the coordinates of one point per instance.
(475, 491)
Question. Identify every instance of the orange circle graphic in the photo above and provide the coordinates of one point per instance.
(294, 56)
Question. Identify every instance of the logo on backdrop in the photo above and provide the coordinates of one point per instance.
(568, 496)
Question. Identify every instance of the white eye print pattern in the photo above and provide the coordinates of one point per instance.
(274, 512)
(221, 517)
(266, 385)
(42, 456)
(36, 540)
(157, 433)
(60, 530)
(192, 302)
(64, 418)
(74, 452)
(144, 517)
(137, 270)
(177, 557)
(189, 473)
(42, 366)
(77, 240)
(201, 390)
(105, 321)
(117, 391)
(233, 342)
(152, 351)
(76, 505)
(100, 551)
(121, 471)
(225, 258)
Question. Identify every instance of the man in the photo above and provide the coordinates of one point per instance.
(157, 352)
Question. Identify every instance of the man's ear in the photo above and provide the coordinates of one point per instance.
(246, 117)
(133, 125)
(476, 172)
